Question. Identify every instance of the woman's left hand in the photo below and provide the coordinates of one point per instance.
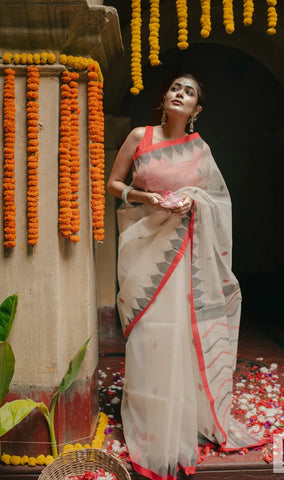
(187, 203)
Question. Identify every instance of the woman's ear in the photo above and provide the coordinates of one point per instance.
(198, 110)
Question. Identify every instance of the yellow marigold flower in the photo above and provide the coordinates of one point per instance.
(43, 58)
(36, 58)
(23, 58)
(87, 445)
(182, 45)
(30, 59)
(68, 447)
(15, 460)
(7, 57)
(16, 58)
(40, 460)
(32, 462)
(5, 458)
(96, 443)
(70, 60)
(78, 446)
(271, 31)
(24, 459)
(51, 58)
(63, 59)
(48, 459)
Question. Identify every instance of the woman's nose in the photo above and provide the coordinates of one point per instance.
(179, 93)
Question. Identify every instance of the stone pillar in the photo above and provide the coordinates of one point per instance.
(55, 280)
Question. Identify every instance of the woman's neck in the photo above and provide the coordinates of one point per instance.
(173, 130)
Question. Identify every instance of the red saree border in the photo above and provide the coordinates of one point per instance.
(166, 277)
(166, 143)
(155, 476)
(200, 357)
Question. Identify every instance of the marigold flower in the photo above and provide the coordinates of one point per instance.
(43, 58)
(7, 57)
(23, 58)
(40, 460)
(29, 59)
(24, 459)
(32, 462)
(16, 58)
(51, 58)
(15, 460)
(36, 58)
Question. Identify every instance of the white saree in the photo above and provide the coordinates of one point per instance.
(179, 305)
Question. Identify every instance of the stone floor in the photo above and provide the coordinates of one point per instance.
(258, 402)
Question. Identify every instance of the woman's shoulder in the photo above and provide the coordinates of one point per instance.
(137, 134)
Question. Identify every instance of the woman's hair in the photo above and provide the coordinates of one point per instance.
(199, 86)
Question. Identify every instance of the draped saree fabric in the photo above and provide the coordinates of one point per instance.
(179, 305)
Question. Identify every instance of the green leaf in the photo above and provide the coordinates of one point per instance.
(73, 369)
(7, 367)
(12, 413)
(7, 315)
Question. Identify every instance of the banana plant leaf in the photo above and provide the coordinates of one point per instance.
(7, 367)
(73, 369)
(12, 413)
(7, 315)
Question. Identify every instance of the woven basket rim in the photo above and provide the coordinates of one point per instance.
(95, 458)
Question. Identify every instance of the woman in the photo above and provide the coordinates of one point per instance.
(179, 302)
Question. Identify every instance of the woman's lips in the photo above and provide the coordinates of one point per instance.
(177, 102)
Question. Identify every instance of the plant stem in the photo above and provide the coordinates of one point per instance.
(51, 428)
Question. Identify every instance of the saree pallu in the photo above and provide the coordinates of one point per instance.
(179, 305)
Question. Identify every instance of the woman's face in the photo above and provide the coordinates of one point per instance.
(182, 97)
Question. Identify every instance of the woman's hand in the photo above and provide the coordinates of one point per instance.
(186, 206)
(154, 199)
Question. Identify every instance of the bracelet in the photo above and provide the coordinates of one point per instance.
(124, 194)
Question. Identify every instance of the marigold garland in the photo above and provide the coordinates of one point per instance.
(205, 19)
(33, 153)
(271, 17)
(228, 16)
(96, 151)
(181, 6)
(154, 26)
(248, 9)
(74, 157)
(64, 187)
(97, 442)
(136, 67)
(9, 206)
(25, 460)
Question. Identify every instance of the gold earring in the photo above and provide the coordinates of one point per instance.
(191, 123)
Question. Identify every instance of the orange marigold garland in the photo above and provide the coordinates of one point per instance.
(65, 188)
(33, 153)
(74, 157)
(96, 149)
(181, 6)
(271, 17)
(9, 206)
(136, 67)
(228, 16)
(154, 26)
(205, 19)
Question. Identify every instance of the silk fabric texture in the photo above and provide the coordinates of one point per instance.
(179, 305)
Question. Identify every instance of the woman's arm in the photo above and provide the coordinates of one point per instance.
(122, 167)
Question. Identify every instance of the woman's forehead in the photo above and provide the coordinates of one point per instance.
(185, 82)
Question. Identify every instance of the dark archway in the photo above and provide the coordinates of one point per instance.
(243, 124)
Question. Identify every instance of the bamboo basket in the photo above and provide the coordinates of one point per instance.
(77, 462)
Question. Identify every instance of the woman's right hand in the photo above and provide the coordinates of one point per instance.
(154, 199)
